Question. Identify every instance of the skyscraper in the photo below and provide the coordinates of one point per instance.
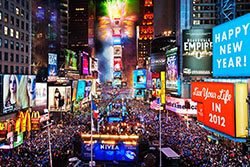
(15, 36)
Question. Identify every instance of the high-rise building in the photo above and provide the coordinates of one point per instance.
(50, 31)
(15, 36)
(78, 25)
(145, 33)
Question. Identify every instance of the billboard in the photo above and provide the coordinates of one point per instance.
(70, 60)
(117, 82)
(139, 93)
(117, 51)
(117, 40)
(19, 92)
(218, 104)
(117, 74)
(80, 90)
(85, 63)
(172, 72)
(177, 105)
(41, 97)
(117, 64)
(59, 98)
(231, 49)
(52, 66)
(157, 62)
(149, 80)
(110, 152)
(140, 78)
(197, 52)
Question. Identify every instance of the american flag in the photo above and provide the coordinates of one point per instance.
(155, 105)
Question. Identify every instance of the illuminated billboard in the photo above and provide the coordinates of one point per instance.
(52, 66)
(117, 41)
(197, 52)
(41, 97)
(157, 62)
(140, 78)
(117, 74)
(70, 60)
(117, 82)
(85, 63)
(117, 51)
(219, 105)
(139, 93)
(80, 90)
(231, 51)
(59, 98)
(172, 72)
(117, 64)
(19, 92)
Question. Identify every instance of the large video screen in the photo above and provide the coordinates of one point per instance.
(139, 93)
(104, 152)
(80, 90)
(59, 98)
(41, 97)
(19, 92)
(85, 63)
(140, 78)
(70, 60)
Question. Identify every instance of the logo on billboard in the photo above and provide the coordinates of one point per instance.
(109, 147)
(231, 48)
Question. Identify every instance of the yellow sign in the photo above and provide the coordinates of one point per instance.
(241, 112)
(163, 87)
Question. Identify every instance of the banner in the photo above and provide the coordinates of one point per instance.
(197, 52)
(85, 63)
(117, 64)
(231, 49)
(52, 67)
(70, 60)
(163, 87)
(157, 62)
(140, 78)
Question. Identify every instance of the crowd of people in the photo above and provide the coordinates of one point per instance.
(189, 140)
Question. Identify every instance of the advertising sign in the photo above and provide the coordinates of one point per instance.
(149, 80)
(197, 52)
(70, 60)
(231, 49)
(117, 41)
(157, 62)
(52, 66)
(177, 105)
(117, 82)
(140, 78)
(110, 152)
(117, 74)
(139, 93)
(41, 97)
(215, 105)
(163, 87)
(117, 64)
(80, 90)
(117, 51)
(172, 71)
(59, 98)
(85, 63)
(19, 92)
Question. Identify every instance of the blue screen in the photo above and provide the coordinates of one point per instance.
(80, 90)
(231, 48)
(140, 78)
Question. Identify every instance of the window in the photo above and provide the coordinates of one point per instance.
(22, 59)
(0, 55)
(6, 69)
(27, 70)
(6, 18)
(22, 70)
(6, 4)
(17, 58)
(11, 44)
(27, 5)
(11, 32)
(1, 15)
(17, 23)
(17, 69)
(11, 69)
(22, 36)
(12, 57)
(17, 11)
(22, 24)
(22, 2)
(6, 43)
(22, 47)
(17, 34)
(27, 59)
(27, 16)
(6, 56)
(22, 13)
(18, 1)
(17, 45)
(27, 38)
(27, 26)
(0, 42)
(0, 68)
(11, 20)
(12, 8)
(6, 30)
(27, 49)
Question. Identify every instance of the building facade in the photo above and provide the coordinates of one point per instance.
(15, 36)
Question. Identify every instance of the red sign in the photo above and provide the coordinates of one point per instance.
(215, 105)
(117, 64)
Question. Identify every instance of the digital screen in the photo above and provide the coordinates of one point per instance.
(114, 119)
(117, 82)
(41, 97)
(59, 98)
(85, 63)
(157, 62)
(116, 40)
(117, 74)
(105, 152)
(197, 52)
(117, 64)
(117, 51)
(139, 93)
(215, 105)
(74, 87)
(19, 92)
(52, 66)
(88, 88)
(80, 90)
(40, 13)
(70, 60)
(140, 78)
(231, 51)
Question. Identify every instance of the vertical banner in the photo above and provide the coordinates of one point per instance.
(241, 109)
(163, 87)
(197, 52)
